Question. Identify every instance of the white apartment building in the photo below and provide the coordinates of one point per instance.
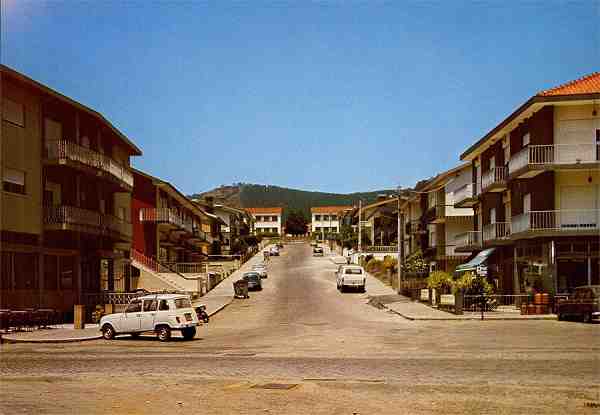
(325, 219)
(267, 220)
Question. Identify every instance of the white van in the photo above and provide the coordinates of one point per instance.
(158, 313)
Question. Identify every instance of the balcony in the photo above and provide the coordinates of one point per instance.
(557, 222)
(64, 152)
(468, 241)
(76, 219)
(494, 180)
(166, 216)
(464, 196)
(496, 233)
(532, 160)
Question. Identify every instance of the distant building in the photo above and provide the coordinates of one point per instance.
(267, 220)
(326, 219)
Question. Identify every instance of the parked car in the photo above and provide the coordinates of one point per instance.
(158, 313)
(254, 280)
(274, 250)
(261, 269)
(584, 303)
(280, 245)
(318, 251)
(351, 276)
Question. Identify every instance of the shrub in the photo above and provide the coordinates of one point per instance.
(374, 265)
(440, 280)
(390, 263)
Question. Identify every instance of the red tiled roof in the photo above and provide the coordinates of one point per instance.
(588, 84)
(276, 210)
(329, 209)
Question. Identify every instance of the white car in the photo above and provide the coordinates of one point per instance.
(351, 276)
(261, 269)
(274, 251)
(159, 313)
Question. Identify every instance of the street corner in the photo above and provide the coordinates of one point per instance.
(52, 335)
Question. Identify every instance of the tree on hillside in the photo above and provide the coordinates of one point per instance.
(295, 223)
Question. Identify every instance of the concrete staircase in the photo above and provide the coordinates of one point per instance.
(156, 277)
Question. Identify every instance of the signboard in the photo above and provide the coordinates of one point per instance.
(425, 294)
(482, 270)
(447, 299)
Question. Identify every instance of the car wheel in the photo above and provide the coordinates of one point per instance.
(108, 332)
(164, 333)
(188, 333)
(587, 317)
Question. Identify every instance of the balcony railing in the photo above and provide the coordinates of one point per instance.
(166, 215)
(96, 221)
(67, 150)
(497, 175)
(495, 231)
(463, 193)
(567, 220)
(554, 154)
(468, 239)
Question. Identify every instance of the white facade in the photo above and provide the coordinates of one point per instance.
(325, 220)
(267, 221)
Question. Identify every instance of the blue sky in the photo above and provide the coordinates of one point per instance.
(332, 96)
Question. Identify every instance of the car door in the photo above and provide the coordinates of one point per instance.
(148, 314)
(131, 317)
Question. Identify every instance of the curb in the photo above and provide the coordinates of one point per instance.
(467, 318)
(221, 307)
(67, 340)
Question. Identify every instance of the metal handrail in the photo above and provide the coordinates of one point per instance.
(497, 230)
(469, 238)
(546, 154)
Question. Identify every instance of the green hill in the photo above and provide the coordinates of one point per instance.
(257, 195)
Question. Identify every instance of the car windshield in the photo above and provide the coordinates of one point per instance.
(183, 303)
(356, 271)
(252, 276)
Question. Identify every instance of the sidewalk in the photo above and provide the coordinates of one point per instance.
(222, 295)
(384, 297)
(215, 300)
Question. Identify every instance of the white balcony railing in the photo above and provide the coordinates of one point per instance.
(468, 239)
(99, 222)
(498, 230)
(561, 154)
(463, 193)
(166, 215)
(64, 149)
(493, 176)
(567, 220)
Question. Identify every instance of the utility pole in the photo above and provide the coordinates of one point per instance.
(360, 226)
(400, 244)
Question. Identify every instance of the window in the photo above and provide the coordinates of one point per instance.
(318, 229)
(183, 303)
(317, 218)
(493, 163)
(50, 272)
(333, 217)
(150, 305)
(13, 181)
(134, 306)
(325, 217)
(525, 139)
(274, 230)
(13, 112)
(163, 306)
(334, 230)
(274, 218)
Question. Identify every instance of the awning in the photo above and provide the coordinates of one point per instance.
(479, 259)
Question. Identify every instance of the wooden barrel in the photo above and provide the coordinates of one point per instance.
(530, 309)
(537, 299)
(539, 309)
(545, 298)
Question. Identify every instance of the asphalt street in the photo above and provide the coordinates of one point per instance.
(324, 351)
